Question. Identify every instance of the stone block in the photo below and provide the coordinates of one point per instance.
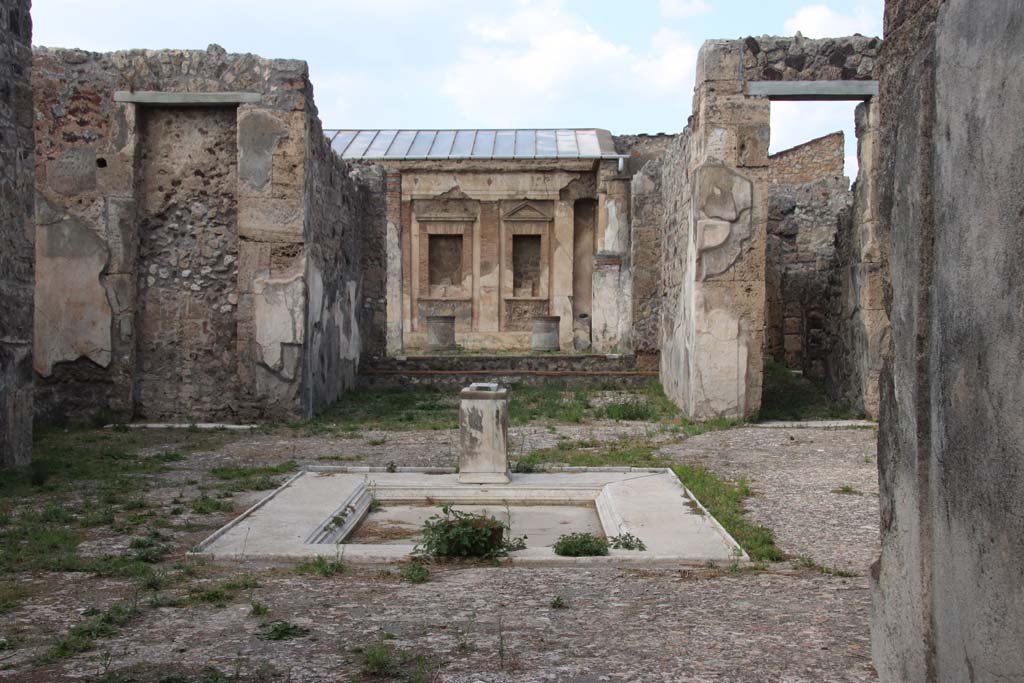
(483, 435)
(271, 219)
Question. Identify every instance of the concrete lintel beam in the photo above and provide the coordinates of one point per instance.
(813, 90)
(186, 99)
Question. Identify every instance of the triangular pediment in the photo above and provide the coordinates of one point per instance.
(527, 211)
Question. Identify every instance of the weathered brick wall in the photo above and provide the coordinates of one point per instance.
(174, 241)
(16, 233)
(819, 158)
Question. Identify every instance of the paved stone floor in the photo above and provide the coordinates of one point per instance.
(815, 488)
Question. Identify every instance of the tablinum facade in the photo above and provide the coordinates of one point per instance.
(497, 227)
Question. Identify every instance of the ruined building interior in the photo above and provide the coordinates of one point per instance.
(183, 241)
(192, 237)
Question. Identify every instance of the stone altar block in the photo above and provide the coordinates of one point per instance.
(483, 434)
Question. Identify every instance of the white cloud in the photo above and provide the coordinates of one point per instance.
(684, 8)
(821, 21)
(518, 69)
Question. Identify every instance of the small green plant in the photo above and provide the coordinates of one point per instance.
(392, 467)
(629, 411)
(379, 660)
(282, 630)
(558, 603)
(580, 544)
(205, 505)
(322, 566)
(258, 609)
(377, 441)
(415, 572)
(848, 490)
(626, 542)
(805, 562)
(462, 534)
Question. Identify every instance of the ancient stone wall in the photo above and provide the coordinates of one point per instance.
(647, 215)
(674, 252)
(948, 596)
(641, 148)
(815, 159)
(858, 324)
(178, 238)
(345, 271)
(803, 218)
(712, 358)
(16, 233)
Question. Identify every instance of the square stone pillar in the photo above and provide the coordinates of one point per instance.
(483, 435)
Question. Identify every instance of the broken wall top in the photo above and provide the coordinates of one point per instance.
(283, 83)
(777, 58)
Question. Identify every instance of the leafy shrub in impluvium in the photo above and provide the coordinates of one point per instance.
(580, 545)
(626, 542)
(462, 534)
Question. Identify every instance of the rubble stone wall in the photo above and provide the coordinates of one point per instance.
(947, 591)
(807, 195)
(178, 243)
(857, 320)
(16, 233)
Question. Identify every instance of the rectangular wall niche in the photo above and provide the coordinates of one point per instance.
(444, 260)
(526, 265)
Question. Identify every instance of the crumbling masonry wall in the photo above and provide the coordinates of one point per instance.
(16, 233)
(858, 324)
(712, 353)
(806, 196)
(197, 258)
(947, 590)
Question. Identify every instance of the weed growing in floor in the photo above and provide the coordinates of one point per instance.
(415, 572)
(377, 441)
(626, 542)
(258, 609)
(847, 490)
(322, 566)
(219, 595)
(282, 630)
(805, 562)
(205, 505)
(257, 478)
(580, 544)
(558, 603)
(98, 624)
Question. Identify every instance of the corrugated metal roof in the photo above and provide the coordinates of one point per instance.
(519, 143)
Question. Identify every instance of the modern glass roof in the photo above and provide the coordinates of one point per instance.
(520, 143)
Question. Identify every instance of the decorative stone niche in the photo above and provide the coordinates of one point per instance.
(444, 271)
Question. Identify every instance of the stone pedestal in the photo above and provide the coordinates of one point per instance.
(440, 333)
(483, 435)
(545, 333)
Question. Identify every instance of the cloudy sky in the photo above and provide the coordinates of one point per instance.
(627, 67)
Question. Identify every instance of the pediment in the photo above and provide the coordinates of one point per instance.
(527, 211)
